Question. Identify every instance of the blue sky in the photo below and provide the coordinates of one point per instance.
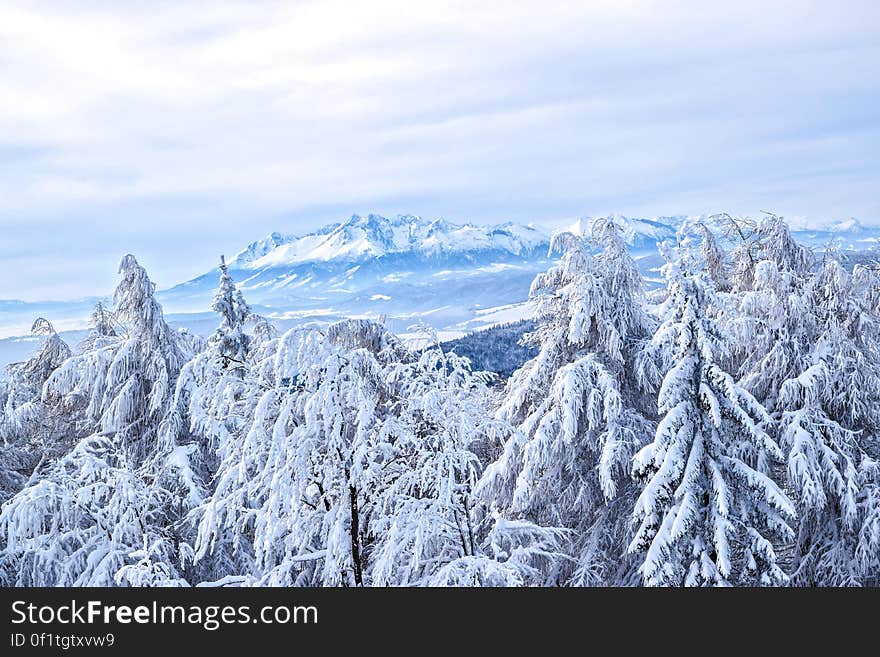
(178, 132)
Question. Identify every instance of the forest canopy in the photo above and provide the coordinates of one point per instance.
(723, 430)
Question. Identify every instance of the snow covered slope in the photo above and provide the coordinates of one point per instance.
(406, 268)
(375, 236)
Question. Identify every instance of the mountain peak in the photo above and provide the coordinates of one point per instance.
(373, 235)
(260, 248)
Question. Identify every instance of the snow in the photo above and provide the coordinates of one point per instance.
(396, 277)
(374, 236)
(723, 434)
(418, 340)
(497, 267)
(300, 314)
(845, 225)
(489, 317)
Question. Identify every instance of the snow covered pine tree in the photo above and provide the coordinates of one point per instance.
(99, 515)
(32, 431)
(580, 407)
(709, 509)
(830, 424)
(807, 349)
(429, 526)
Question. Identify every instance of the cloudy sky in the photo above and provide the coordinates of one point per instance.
(179, 130)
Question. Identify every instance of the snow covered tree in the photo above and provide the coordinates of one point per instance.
(512, 553)
(103, 327)
(102, 321)
(234, 312)
(772, 333)
(215, 399)
(742, 232)
(103, 502)
(210, 389)
(580, 406)
(772, 330)
(298, 489)
(829, 419)
(32, 431)
(778, 246)
(125, 383)
(715, 257)
(709, 510)
(355, 467)
(428, 527)
(808, 351)
(83, 521)
(24, 409)
(627, 450)
(866, 280)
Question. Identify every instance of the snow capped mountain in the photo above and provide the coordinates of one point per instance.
(374, 236)
(367, 253)
(846, 225)
(260, 248)
(406, 268)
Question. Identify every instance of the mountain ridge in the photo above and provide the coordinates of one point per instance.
(374, 235)
(410, 269)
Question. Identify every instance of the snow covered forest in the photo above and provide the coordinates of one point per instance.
(722, 430)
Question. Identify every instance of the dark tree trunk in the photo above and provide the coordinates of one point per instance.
(355, 541)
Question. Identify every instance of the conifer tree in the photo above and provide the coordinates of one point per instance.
(429, 525)
(808, 343)
(709, 510)
(32, 432)
(580, 405)
(102, 505)
(234, 312)
(830, 426)
(298, 489)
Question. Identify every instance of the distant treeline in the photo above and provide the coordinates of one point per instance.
(498, 349)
